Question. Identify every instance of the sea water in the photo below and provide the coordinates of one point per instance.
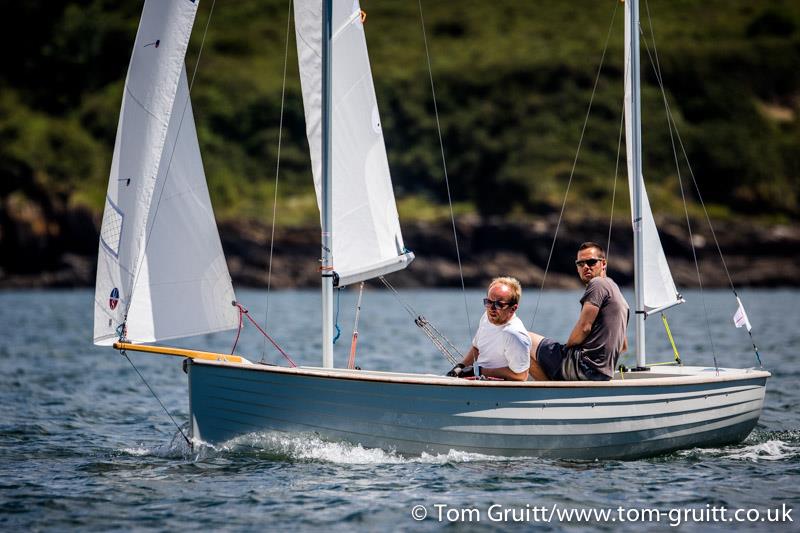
(84, 445)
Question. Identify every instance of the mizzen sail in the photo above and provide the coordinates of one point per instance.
(367, 241)
(161, 271)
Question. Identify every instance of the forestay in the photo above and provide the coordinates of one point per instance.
(657, 284)
(367, 241)
(160, 258)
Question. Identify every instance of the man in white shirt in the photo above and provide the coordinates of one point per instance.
(501, 347)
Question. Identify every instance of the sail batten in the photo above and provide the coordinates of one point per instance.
(365, 224)
(161, 271)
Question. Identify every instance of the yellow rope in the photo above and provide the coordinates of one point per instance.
(674, 349)
(671, 340)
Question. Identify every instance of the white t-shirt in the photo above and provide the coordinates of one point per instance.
(500, 346)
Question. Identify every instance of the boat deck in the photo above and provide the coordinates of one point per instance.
(656, 376)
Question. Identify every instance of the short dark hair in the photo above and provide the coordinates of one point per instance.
(591, 244)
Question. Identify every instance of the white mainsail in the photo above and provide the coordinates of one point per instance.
(367, 241)
(160, 260)
(657, 284)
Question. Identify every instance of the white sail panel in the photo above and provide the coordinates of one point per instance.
(658, 286)
(367, 240)
(184, 287)
(158, 229)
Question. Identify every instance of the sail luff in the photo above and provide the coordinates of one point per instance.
(365, 227)
(161, 271)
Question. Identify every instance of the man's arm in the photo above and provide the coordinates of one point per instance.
(581, 330)
(504, 373)
(471, 357)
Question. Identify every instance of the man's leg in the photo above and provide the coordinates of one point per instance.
(535, 371)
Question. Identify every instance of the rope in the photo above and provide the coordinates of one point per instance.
(336, 319)
(441, 342)
(351, 362)
(438, 340)
(755, 349)
(671, 340)
(171, 155)
(238, 333)
(673, 126)
(444, 166)
(245, 312)
(125, 354)
(574, 164)
(277, 176)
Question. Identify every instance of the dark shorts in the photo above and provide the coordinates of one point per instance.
(560, 363)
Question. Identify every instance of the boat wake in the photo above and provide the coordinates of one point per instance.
(308, 447)
(759, 446)
(298, 447)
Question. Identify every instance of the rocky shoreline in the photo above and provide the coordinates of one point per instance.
(62, 253)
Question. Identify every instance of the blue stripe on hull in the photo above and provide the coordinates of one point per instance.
(585, 423)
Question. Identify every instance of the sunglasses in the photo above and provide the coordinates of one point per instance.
(588, 262)
(496, 304)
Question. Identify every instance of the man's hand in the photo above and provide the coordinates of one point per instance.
(461, 371)
(458, 370)
(455, 371)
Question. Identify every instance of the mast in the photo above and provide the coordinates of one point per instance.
(636, 197)
(326, 218)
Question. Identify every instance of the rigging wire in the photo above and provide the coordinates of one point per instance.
(444, 166)
(697, 188)
(574, 164)
(616, 176)
(125, 354)
(239, 333)
(169, 163)
(244, 312)
(672, 126)
(122, 327)
(277, 176)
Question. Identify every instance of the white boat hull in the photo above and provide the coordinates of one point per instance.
(412, 414)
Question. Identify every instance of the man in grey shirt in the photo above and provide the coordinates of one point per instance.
(599, 336)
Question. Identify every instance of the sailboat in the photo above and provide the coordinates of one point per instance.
(162, 275)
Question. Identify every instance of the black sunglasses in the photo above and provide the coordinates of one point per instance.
(588, 262)
(496, 304)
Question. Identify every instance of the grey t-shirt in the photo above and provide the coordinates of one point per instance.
(601, 348)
